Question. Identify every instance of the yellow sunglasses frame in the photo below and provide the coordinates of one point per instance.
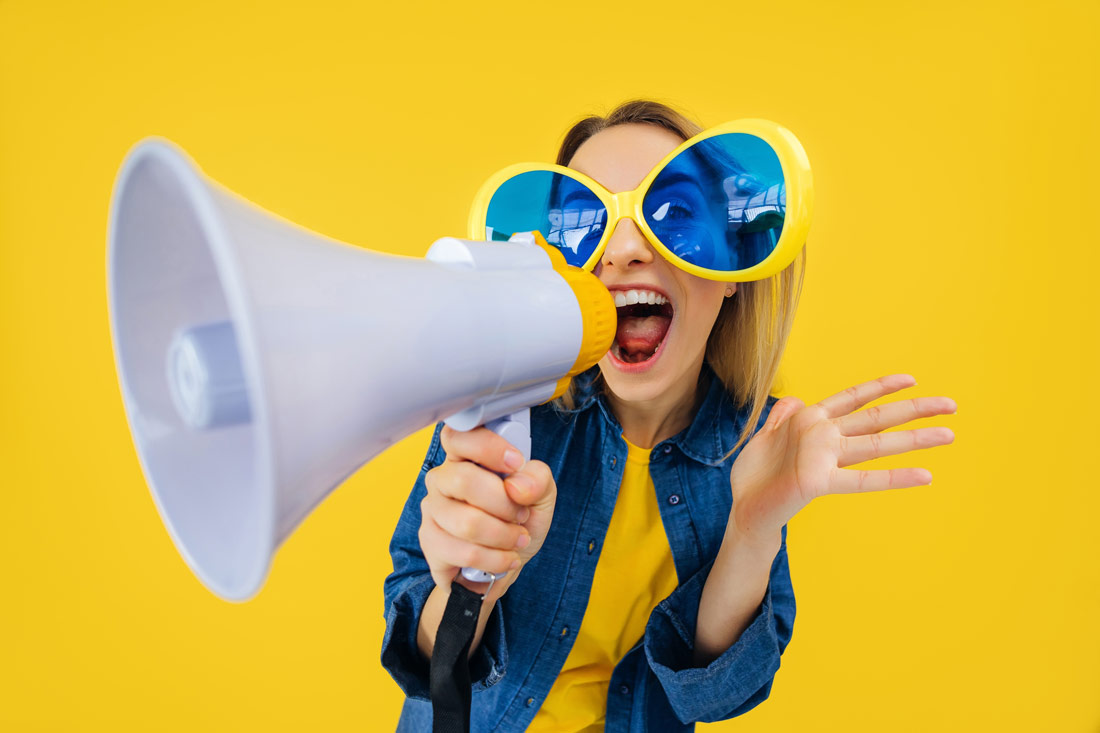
(628, 204)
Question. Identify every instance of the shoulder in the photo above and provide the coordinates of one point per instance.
(724, 423)
(551, 418)
(435, 455)
(742, 414)
(553, 426)
(568, 440)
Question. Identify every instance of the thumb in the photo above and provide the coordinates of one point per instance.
(532, 486)
(781, 410)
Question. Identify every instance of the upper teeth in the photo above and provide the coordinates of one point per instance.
(632, 297)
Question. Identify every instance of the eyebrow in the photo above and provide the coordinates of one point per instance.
(579, 193)
(667, 179)
(674, 178)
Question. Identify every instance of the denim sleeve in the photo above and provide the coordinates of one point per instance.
(741, 677)
(407, 589)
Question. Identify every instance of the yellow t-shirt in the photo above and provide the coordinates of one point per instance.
(635, 572)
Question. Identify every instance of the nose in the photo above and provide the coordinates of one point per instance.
(627, 248)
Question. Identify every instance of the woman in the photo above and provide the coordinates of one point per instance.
(647, 583)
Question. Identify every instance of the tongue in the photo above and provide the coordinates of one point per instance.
(639, 337)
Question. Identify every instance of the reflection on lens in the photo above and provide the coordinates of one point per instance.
(720, 204)
(567, 213)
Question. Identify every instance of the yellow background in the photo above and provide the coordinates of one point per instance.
(955, 158)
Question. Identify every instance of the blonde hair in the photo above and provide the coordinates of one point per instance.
(746, 344)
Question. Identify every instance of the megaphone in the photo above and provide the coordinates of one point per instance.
(261, 363)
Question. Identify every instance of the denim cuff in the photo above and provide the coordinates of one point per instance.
(738, 680)
(402, 658)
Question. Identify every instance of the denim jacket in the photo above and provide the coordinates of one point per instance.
(531, 629)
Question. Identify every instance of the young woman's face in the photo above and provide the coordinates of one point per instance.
(659, 346)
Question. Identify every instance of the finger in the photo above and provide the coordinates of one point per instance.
(866, 447)
(850, 481)
(856, 397)
(442, 571)
(532, 486)
(441, 547)
(474, 485)
(473, 525)
(482, 446)
(880, 417)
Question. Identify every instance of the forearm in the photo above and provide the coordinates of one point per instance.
(433, 609)
(733, 591)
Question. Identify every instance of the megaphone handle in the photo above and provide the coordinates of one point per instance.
(516, 429)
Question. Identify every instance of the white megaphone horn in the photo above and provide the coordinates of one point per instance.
(261, 364)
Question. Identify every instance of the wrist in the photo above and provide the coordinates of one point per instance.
(767, 542)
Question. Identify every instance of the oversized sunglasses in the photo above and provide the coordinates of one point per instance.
(732, 203)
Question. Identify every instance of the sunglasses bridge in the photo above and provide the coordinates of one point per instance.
(624, 205)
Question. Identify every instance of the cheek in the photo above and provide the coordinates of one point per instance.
(705, 298)
(702, 311)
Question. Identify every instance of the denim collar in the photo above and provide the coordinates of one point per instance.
(712, 433)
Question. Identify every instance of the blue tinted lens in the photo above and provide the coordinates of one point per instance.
(719, 204)
(567, 212)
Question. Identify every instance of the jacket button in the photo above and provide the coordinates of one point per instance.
(591, 546)
(530, 701)
(674, 499)
(625, 689)
(668, 448)
(564, 631)
(613, 462)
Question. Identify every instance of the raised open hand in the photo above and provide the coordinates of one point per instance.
(801, 452)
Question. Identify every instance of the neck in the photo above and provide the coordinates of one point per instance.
(645, 424)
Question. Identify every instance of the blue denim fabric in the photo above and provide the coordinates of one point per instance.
(532, 628)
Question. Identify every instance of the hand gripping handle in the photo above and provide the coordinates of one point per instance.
(516, 429)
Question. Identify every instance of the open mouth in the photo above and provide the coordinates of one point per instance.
(644, 319)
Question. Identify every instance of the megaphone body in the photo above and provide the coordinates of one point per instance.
(261, 364)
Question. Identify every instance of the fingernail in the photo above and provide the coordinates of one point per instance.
(523, 541)
(523, 515)
(512, 459)
(522, 483)
(514, 565)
